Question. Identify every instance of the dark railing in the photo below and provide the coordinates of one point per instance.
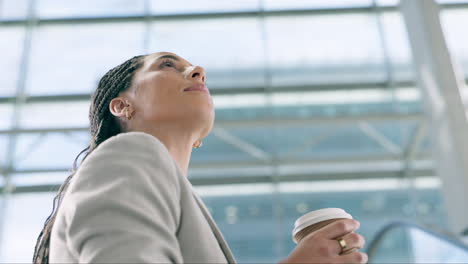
(442, 236)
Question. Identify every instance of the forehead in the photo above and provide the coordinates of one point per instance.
(152, 58)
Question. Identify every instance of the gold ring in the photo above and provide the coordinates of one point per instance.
(342, 243)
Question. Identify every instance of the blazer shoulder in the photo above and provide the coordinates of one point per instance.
(132, 154)
(138, 142)
(124, 204)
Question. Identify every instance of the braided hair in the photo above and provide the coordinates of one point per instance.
(103, 125)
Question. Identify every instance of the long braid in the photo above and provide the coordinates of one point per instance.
(118, 79)
(102, 126)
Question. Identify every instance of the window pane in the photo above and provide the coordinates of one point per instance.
(297, 4)
(397, 46)
(456, 36)
(50, 150)
(24, 219)
(13, 9)
(375, 203)
(89, 8)
(317, 103)
(218, 151)
(11, 47)
(6, 111)
(452, 1)
(229, 49)
(55, 115)
(185, 6)
(323, 49)
(3, 149)
(30, 179)
(246, 208)
(71, 59)
(388, 2)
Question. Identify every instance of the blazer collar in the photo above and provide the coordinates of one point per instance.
(219, 236)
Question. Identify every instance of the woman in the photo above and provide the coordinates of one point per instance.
(130, 201)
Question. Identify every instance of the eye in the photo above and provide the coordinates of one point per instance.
(167, 63)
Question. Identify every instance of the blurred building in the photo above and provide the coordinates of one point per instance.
(317, 105)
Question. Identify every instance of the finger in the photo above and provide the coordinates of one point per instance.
(338, 228)
(333, 247)
(353, 240)
(354, 257)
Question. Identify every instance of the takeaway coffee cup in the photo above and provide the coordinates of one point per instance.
(315, 220)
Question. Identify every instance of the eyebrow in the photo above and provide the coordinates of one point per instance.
(168, 57)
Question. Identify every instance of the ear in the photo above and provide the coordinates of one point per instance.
(117, 106)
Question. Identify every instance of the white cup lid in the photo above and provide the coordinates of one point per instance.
(318, 216)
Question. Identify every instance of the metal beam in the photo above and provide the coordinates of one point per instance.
(43, 130)
(407, 173)
(241, 144)
(48, 98)
(308, 144)
(30, 148)
(249, 167)
(440, 81)
(306, 177)
(197, 16)
(415, 143)
(266, 178)
(19, 101)
(214, 15)
(335, 120)
(380, 138)
(228, 91)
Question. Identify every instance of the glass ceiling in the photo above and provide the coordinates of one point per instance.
(317, 95)
(336, 82)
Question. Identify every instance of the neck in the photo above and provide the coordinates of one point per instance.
(179, 146)
(181, 153)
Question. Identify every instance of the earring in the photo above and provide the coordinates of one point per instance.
(127, 114)
(197, 144)
(127, 107)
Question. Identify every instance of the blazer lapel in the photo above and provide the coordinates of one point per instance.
(219, 236)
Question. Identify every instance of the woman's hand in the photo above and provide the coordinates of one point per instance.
(322, 246)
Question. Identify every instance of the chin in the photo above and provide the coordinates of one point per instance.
(199, 120)
(208, 129)
(208, 123)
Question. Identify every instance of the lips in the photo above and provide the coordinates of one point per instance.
(197, 87)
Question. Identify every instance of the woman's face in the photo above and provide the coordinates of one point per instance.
(170, 91)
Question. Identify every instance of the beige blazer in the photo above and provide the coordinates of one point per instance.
(130, 203)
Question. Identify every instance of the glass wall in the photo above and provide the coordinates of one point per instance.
(315, 105)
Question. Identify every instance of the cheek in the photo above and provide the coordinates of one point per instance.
(190, 108)
(158, 95)
(161, 99)
(159, 106)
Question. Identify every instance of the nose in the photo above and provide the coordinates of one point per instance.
(198, 73)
